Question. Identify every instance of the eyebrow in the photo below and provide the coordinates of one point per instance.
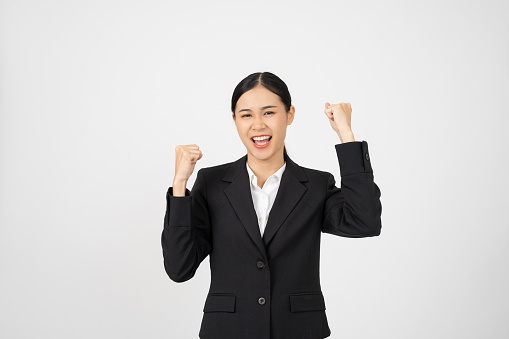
(264, 107)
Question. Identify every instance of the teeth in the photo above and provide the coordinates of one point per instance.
(261, 138)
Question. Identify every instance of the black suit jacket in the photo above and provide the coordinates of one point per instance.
(267, 287)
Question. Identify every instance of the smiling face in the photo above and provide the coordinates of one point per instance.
(260, 113)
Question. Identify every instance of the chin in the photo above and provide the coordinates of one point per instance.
(262, 154)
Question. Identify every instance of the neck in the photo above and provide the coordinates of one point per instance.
(263, 168)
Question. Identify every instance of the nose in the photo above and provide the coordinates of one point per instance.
(258, 123)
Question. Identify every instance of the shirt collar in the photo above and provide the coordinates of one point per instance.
(254, 180)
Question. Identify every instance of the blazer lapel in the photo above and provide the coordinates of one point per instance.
(239, 195)
(289, 193)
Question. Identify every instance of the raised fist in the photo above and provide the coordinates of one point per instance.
(186, 157)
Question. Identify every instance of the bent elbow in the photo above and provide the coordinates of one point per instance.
(178, 275)
(351, 228)
(375, 229)
(372, 234)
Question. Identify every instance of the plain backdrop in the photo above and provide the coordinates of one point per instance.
(95, 95)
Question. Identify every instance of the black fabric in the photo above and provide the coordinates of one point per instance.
(282, 298)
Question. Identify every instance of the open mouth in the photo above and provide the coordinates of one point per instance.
(261, 142)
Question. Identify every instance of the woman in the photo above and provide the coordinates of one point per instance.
(265, 266)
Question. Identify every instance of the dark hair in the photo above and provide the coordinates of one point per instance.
(268, 80)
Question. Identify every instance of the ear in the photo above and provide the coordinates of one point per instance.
(290, 115)
(233, 117)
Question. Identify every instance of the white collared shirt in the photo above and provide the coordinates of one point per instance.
(263, 198)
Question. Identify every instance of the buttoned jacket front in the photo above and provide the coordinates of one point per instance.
(267, 287)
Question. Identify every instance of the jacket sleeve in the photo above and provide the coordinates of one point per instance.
(355, 209)
(186, 236)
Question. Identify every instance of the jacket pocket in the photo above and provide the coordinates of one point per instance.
(307, 301)
(220, 302)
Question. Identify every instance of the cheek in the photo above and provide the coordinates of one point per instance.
(243, 132)
(280, 128)
(241, 129)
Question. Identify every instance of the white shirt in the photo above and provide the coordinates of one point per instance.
(263, 198)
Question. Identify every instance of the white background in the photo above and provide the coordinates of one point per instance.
(95, 95)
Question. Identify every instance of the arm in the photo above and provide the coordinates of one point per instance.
(186, 238)
(355, 209)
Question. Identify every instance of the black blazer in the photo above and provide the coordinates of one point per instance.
(267, 287)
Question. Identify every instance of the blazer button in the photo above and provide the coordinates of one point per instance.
(260, 264)
(367, 156)
(261, 301)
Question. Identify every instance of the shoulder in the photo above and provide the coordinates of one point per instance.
(216, 170)
(315, 175)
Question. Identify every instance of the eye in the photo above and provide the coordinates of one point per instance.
(245, 115)
(269, 112)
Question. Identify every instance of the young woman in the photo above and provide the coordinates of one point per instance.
(260, 219)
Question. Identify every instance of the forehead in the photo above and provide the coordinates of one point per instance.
(257, 98)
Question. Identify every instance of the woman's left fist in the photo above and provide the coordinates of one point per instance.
(340, 118)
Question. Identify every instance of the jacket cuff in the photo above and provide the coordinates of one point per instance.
(353, 157)
(180, 208)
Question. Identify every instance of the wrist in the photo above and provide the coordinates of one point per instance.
(346, 136)
(179, 187)
(179, 180)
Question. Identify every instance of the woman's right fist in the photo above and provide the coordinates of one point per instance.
(186, 157)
